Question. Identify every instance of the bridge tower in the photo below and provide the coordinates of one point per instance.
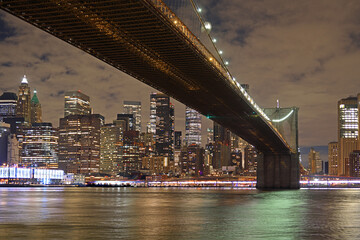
(280, 170)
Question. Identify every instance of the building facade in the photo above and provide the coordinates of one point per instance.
(315, 162)
(36, 113)
(110, 142)
(134, 108)
(192, 127)
(8, 102)
(348, 127)
(23, 107)
(79, 143)
(39, 145)
(333, 158)
(76, 103)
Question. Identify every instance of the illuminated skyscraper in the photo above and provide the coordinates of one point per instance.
(79, 143)
(125, 121)
(348, 125)
(76, 103)
(8, 102)
(164, 125)
(39, 146)
(222, 147)
(333, 158)
(4, 142)
(110, 141)
(23, 108)
(315, 162)
(192, 127)
(134, 108)
(36, 114)
(152, 123)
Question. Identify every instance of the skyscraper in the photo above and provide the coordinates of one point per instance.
(333, 158)
(39, 146)
(4, 142)
(348, 125)
(315, 162)
(110, 141)
(23, 107)
(222, 146)
(164, 126)
(36, 114)
(8, 102)
(152, 123)
(134, 108)
(192, 127)
(126, 121)
(79, 143)
(76, 103)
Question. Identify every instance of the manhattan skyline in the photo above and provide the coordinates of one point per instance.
(314, 66)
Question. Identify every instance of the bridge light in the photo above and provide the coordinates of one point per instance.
(214, 40)
(175, 22)
(211, 59)
(234, 79)
(207, 26)
(226, 63)
(199, 10)
(220, 52)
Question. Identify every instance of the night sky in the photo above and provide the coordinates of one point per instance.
(304, 53)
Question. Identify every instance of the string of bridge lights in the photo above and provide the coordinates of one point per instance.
(206, 27)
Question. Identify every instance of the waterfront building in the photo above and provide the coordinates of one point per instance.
(209, 135)
(76, 103)
(155, 165)
(129, 153)
(8, 102)
(177, 140)
(4, 142)
(23, 107)
(134, 108)
(36, 114)
(164, 126)
(333, 158)
(79, 143)
(192, 127)
(354, 164)
(110, 141)
(251, 157)
(348, 127)
(222, 147)
(192, 160)
(39, 145)
(13, 150)
(315, 162)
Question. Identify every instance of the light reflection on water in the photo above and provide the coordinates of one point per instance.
(161, 213)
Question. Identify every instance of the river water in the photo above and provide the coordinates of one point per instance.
(173, 213)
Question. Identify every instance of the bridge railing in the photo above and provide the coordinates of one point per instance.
(166, 11)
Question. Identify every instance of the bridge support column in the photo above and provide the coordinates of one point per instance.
(278, 171)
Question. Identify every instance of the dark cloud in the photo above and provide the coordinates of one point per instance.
(46, 78)
(6, 31)
(7, 64)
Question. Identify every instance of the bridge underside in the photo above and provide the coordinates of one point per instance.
(135, 37)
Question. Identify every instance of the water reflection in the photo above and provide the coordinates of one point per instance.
(139, 213)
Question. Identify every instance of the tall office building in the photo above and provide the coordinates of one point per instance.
(76, 103)
(134, 108)
(129, 153)
(164, 126)
(39, 146)
(192, 160)
(4, 142)
(23, 107)
(79, 143)
(110, 141)
(8, 102)
(348, 127)
(192, 127)
(125, 121)
(177, 140)
(36, 114)
(152, 123)
(354, 164)
(333, 158)
(315, 162)
(222, 147)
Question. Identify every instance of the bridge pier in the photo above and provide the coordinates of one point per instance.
(278, 171)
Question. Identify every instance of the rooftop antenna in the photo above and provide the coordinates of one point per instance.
(277, 103)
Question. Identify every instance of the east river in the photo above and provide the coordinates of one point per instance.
(178, 213)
